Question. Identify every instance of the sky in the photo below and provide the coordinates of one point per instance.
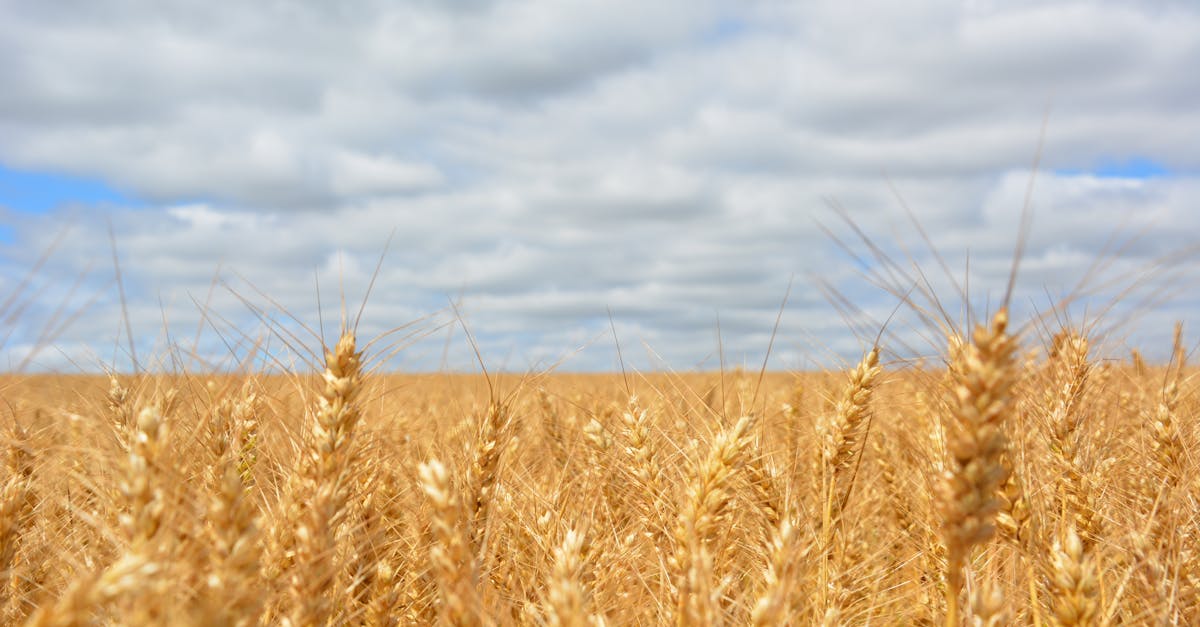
(558, 177)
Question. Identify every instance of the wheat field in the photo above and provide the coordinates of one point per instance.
(1017, 479)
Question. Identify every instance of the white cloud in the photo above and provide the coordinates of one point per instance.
(547, 163)
(357, 174)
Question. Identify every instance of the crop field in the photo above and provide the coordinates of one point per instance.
(599, 313)
(1016, 479)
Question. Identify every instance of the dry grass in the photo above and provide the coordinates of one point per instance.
(831, 498)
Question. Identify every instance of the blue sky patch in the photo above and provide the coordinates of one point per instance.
(39, 192)
(1131, 168)
(725, 29)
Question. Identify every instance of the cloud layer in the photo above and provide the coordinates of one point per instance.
(544, 164)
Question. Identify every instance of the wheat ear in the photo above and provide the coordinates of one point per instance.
(17, 501)
(451, 558)
(567, 599)
(329, 484)
(642, 454)
(983, 375)
(76, 606)
(771, 606)
(140, 487)
(1073, 372)
(233, 527)
(485, 468)
(1074, 583)
(845, 433)
(704, 507)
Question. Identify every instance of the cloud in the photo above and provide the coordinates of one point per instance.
(545, 164)
(357, 174)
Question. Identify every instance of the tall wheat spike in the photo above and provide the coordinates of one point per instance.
(329, 480)
(981, 396)
(703, 508)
